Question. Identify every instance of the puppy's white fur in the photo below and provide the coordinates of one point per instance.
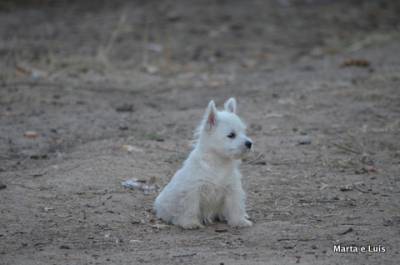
(208, 186)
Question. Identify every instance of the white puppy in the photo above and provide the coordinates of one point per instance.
(208, 186)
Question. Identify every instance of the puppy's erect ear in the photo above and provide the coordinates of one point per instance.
(211, 116)
(230, 105)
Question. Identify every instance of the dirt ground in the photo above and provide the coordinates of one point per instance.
(93, 93)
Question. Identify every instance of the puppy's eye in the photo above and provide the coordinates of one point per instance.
(231, 135)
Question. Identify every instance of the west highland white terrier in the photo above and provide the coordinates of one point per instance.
(208, 187)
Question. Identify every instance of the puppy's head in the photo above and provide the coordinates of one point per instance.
(223, 132)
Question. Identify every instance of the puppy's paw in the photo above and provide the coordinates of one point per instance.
(194, 224)
(241, 223)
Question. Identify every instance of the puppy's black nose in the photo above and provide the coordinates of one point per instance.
(248, 144)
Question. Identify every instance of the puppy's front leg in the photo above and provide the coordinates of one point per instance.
(234, 207)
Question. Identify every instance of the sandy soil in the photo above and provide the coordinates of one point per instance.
(94, 94)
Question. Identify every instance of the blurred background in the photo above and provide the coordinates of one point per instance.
(89, 39)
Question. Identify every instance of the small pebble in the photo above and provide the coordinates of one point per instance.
(31, 134)
(304, 141)
(125, 108)
(64, 247)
